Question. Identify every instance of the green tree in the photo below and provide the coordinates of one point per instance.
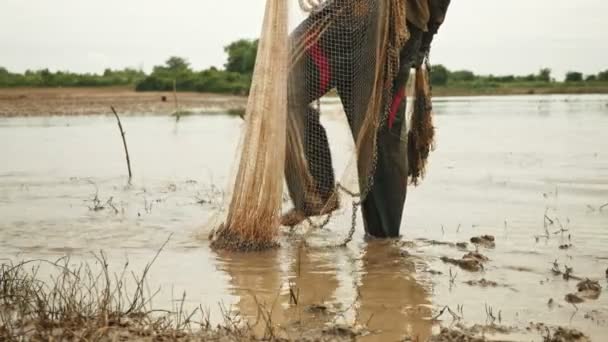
(177, 65)
(241, 56)
(603, 76)
(574, 76)
(544, 75)
(439, 75)
(591, 78)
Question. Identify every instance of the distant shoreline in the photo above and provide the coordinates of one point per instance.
(544, 89)
(23, 102)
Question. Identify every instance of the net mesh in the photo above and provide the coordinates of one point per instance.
(255, 205)
(349, 49)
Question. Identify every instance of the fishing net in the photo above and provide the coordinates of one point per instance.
(346, 50)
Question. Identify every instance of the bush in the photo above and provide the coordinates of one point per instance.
(462, 75)
(574, 76)
(46, 78)
(591, 78)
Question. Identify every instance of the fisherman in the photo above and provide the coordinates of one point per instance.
(339, 58)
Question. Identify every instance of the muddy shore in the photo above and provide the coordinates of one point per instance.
(23, 102)
(95, 101)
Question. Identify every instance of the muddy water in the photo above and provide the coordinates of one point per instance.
(500, 165)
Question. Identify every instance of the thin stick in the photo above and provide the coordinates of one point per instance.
(175, 97)
(124, 142)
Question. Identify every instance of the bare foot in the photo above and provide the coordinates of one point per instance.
(294, 217)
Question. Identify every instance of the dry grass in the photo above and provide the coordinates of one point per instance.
(88, 302)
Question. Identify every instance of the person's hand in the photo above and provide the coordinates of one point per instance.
(438, 10)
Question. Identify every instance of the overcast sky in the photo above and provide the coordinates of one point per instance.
(486, 36)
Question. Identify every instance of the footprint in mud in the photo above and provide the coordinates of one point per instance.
(487, 241)
(471, 261)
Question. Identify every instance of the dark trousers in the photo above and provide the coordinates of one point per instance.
(343, 59)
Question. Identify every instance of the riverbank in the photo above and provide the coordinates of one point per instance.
(97, 101)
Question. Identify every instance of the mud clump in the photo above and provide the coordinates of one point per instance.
(487, 241)
(317, 308)
(472, 261)
(566, 246)
(566, 335)
(453, 335)
(589, 289)
(466, 264)
(558, 334)
(459, 245)
(476, 256)
(573, 299)
(491, 329)
(344, 331)
(462, 245)
(482, 283)
(567, 274)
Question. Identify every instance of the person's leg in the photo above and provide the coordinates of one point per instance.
(383, 205)
(311, 186)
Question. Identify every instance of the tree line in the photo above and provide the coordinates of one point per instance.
(442, 76)
(235, 76)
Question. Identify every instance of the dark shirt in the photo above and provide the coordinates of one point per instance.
(426, 15)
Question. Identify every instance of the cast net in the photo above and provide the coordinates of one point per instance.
(346, 52)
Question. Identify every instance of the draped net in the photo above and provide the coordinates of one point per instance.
(345, 50)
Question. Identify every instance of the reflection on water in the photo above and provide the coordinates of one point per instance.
(392, 300)
(301, 285)
(501, 164)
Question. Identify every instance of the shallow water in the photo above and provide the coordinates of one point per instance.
(501, 163)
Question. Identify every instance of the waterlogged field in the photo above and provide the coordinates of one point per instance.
(532, 172)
